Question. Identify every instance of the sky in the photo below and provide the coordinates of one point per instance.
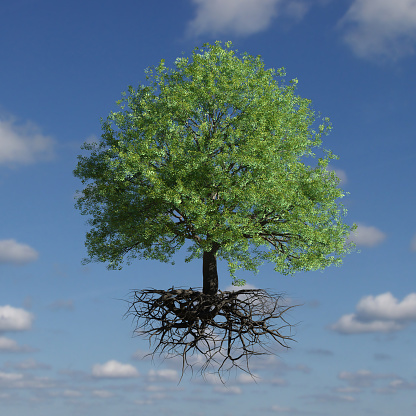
(66, 347)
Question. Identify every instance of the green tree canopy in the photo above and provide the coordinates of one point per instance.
(211, 152)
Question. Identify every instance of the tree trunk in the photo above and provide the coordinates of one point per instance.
(209, 271)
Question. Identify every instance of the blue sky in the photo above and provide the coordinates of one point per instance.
(64, 345)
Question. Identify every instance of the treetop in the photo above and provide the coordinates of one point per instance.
(211, 152)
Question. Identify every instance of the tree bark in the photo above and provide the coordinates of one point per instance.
(209, 271)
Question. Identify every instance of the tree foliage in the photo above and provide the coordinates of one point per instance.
(212, 152)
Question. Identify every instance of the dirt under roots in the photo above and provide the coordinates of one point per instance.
(227, 328)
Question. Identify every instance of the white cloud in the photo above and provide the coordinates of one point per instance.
(23, 144)
(245, 378)
(382, 313)
(241, 17)
(14, 319)
(413, 243)
(114, 369)
(24, 381)
(10, 345)
(399, 384)
(380, 28)
(7, 344)
(16, 253)
(163, 375)
(333, 398)
(209, 378)
(142, 355)
(387, 307)
(367, 236)
(350, 324)
(394, 386)
(264, 362)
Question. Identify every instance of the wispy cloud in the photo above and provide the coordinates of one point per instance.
(10, 345)
(23, 144)
(245, 378)
(163, 375)
(367, 236)
(382, 313)
(14, 319)
(114, 369)
(7, 344)
(8, 377)
(241, 17)
(24, 381)
(333, 398)
(380, 28)
(29, 364)
(350, 324)
(362, 378)
(16, 253)
(395, 385)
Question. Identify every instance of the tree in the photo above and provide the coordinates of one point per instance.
(211, 152)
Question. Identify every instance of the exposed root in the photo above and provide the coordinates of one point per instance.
(226, 328)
